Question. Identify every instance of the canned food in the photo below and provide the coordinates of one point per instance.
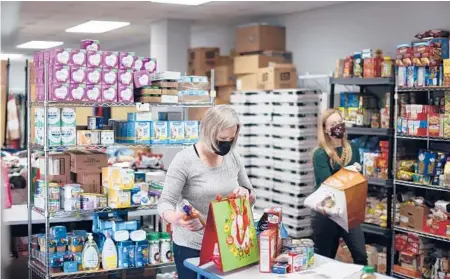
(102, 201)
(95, 123)
(53, 206)
(89, 201)
(53, 191)
(71, 191)
(71, 204)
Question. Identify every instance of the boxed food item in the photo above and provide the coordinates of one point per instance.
(260, 37)
(247, 82)
(412, 216)
(278, 76)
(342, 197)
(267, 250)
(249, 64)
(87, 161)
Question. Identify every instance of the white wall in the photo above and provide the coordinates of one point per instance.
(17, 76)
(321, 36)
(211, 35)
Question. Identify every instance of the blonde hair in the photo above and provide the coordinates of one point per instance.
(215, 120)
(326, 144)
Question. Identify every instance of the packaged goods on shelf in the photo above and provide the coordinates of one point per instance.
(365, 64)
(414, 255)
(59, 167)
(61, 123)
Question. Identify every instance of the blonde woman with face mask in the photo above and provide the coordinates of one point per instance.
(333, 153)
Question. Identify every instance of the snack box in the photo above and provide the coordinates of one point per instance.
(267, 250)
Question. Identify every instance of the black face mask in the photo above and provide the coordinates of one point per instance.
(224, 147)
(338, 131)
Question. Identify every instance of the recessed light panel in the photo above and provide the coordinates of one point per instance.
(40, 44)
(95, 26)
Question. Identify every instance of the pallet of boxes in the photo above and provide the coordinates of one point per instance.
(262, 62)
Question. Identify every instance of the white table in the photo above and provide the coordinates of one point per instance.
(323, 267)
(18, 215)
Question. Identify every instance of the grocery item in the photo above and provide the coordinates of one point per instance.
(125, 252)
(141, 253)
(387, 69)
(153, 253)
(368, 273)
(165, 248)
(90, 255)
(95, 123)
(109, 254)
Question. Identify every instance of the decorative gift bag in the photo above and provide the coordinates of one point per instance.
(342, 197)
(230, 235)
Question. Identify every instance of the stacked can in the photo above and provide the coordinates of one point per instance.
(301, 254)
(70, 197)
(53, 195)
(68, 126)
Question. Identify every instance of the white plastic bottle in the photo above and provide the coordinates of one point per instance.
(109, 254)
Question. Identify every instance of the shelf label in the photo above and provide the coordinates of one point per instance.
(142, 106)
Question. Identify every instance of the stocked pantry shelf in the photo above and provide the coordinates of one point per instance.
(87, 214)
(38, 268)
(370, 131)
(423, 138)
(423, 186)
(101, 147)
(423, 234)
(386, 183)
(375, 229)
(427, 88)
(363, 81)
(77, 104)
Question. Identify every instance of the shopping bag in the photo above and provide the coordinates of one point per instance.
(230, 238)
(342, 197)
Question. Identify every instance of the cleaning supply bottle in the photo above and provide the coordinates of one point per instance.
(368, 273)
(191, 214)
(90, 257)
(109, 254)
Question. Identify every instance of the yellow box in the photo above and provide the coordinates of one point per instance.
(118, 178)
(351, 114)
(446, 126)
(118, 198)
(446, 66)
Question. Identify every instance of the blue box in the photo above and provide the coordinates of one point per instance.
(159, 132)
(349, 100)
(176, 132)
(141, 253)
(142, 132)
(191, 131)
(70, 267)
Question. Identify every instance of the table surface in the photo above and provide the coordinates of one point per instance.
(18, 215)
(323, 268)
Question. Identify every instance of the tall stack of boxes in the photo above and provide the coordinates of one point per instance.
(202, 59)
(86, 167)
(224, 79)
(262, 62)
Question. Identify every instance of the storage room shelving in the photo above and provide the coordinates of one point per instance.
(43, 270)
(365, 85)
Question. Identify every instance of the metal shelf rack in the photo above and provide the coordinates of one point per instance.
(387, 133)
(43, 269)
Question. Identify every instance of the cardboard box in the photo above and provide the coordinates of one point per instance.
(196, 113)
(247, 82)
(87, 161)
(254, 38)
(250, 64)
(267, 250)
(412, 216)
(59, 167)
(279, 76)
(225, 60)
(90, 182)
(224, 94)
(202, 60)
(224, 76)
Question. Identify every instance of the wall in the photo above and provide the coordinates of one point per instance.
(211, 35)
(321, 36)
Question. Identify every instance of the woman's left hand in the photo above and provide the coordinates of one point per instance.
(245, 193)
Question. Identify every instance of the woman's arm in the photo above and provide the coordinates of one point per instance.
(173, 186)
(243, 179)
(321, 165)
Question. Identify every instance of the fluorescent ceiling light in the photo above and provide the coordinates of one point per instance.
(12, 56)
(40, 44)
(94, 26)
(182, 2)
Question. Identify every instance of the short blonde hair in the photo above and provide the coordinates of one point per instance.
(215, 120)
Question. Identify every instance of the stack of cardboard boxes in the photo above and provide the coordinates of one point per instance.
(202, 60)
(224, 78)
(263, 62)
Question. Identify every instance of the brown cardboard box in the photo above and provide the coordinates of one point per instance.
(224, 94)
(87, 161)
(412, 216)
(224, 76)
(196, 113)
(225, 60)
(200, 99)
(249, 64)
(247, 82)
(279, 76)
(255, 38)
(90, 182)
(201, 60)
(59, 167)
(286, 55)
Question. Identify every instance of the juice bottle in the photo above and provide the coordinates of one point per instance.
(368, 273)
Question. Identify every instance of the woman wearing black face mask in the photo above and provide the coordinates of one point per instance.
(197, 175)
(334, 152)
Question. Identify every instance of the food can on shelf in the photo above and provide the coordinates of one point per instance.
(71, 191)
(54, 191)
(53, 206)
(95, 123)
(102, 201)
(71, 204)
(89, 201)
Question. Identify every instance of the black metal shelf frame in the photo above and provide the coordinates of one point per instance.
(388, 133)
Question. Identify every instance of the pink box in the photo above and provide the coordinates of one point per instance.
(78, 74)
(78, 57)
(125, 77)
(138, 63)
(93, 75)
(58, 56)
(59, 74)
(110, 59)
(93, 59)
(40, 92)
(89, 44)
(142, 78)
(78, 92)
(59, 92)
(37, 62)
(125, 93)
(109, 93)
(126, 60)
(93, 92)
(39, 75)
(149, 64)
(109, 76)
(46, 56)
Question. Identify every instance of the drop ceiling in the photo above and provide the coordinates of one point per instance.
(26, 21)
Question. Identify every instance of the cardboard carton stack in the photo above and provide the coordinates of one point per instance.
(224, 79)
(202, 59)
(263, 62)
(276, 142)
(86, 167)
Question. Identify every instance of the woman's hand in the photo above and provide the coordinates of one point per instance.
(244, 193)
(192, 224)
